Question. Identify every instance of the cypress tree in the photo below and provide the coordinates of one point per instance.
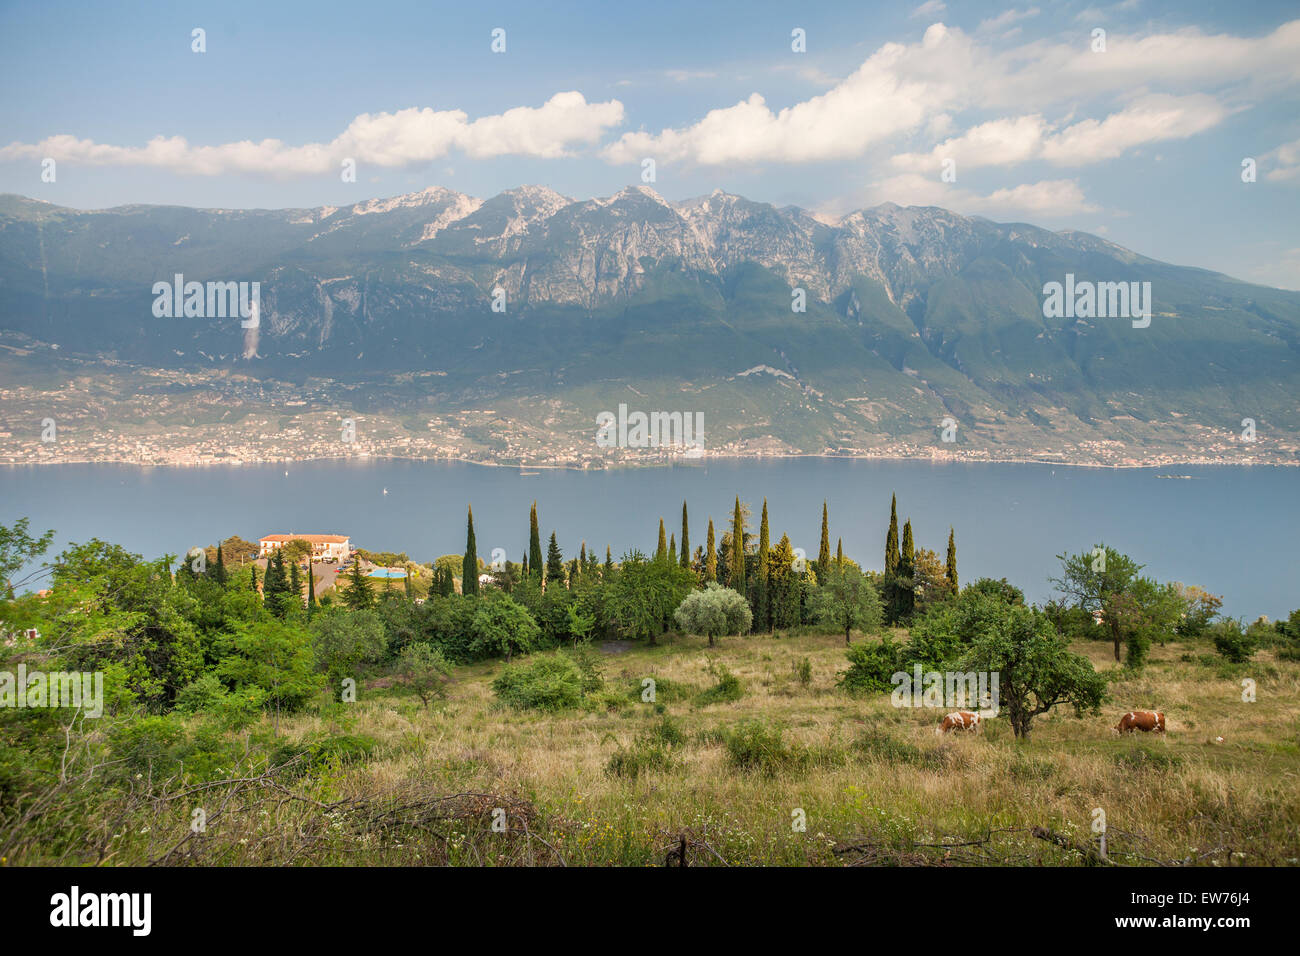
(762, 607)
(952, 561)
(534, 545)
(686, 539)
(737, 582)
(906, 570)
(311, 588)
(710, 556)
(662, 551)
(524, 564)
(253, 570)
(469, 566)
(219, 572)
(609, 559)
(839, 552)
(824, 552)
(409, 593)
(891, 540)
(295, 583)
(784, 591)
(554, 563)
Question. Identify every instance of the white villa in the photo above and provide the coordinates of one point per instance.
(324, 547)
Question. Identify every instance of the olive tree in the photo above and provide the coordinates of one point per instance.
(713, 611)
(846, 598)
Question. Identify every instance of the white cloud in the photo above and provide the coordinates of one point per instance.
(1005, 19)
(1185, 82)
(1006, 142)
(1285, 162)
(404, 138)
(931, 8)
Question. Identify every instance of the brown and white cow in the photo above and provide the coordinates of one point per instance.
(960, 720)
(1144, 720)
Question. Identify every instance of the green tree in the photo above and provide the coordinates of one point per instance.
(1102, 581)
(661, 552)
(686, 539)
(844, 597)
(891, 541)
(274, 657)
(358, 595)
(1036, 670)
(905, 576)
(762, 606)
(646, 593)
(824, 551)
(425, 670)
(500, 626)
(219, 569)
(469, 566)
(17, 549)
(736, 566)
(554, 563)
(713, 611)
(783, 585)
(534, 545)
(346, 641)
(951, 564)
(710, 556)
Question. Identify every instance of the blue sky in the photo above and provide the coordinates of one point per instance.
(1141, 143)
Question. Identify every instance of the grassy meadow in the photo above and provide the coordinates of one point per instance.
(728, 771)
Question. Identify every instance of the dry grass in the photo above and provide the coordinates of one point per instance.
(903, 796)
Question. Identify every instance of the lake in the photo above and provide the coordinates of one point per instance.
(1232, 530)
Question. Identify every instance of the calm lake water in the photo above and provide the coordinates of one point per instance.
(1230, 529)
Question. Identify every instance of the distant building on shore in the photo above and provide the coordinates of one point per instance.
(324, 547)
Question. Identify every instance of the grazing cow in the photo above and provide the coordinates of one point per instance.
(960, 720)
(1144, 720)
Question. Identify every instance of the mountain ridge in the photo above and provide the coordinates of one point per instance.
(911, 315)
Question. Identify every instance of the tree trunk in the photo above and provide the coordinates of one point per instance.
(846, 635)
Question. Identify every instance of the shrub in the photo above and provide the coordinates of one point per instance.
(875, 743)
(803, 672)
(316, 755)
(667, 691)
(1236, 646)
(871, 666)
(147, 746)
(756, 746)
(644, 756)
(652, 750)
(1145, 758)
(552, 682)
(728, 688)
(589, 663)
(202, 695)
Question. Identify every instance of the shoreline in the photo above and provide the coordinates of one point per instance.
(693, 462)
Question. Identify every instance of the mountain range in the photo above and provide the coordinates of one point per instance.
(911, 315)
